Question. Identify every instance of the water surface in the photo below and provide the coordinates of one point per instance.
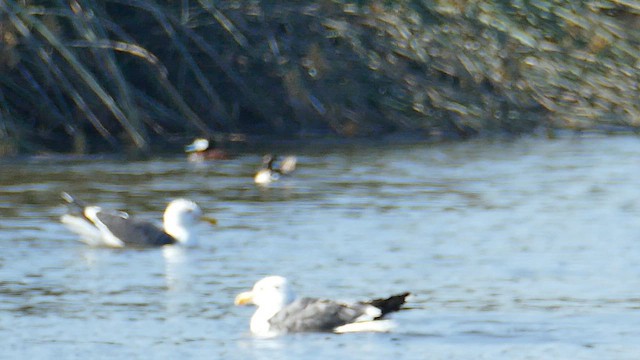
(523, 249)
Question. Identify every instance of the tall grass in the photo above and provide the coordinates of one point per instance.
(87, 75)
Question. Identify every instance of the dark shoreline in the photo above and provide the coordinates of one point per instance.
(290, 145)
(135, 77)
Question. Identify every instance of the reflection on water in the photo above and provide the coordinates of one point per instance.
(521, 249)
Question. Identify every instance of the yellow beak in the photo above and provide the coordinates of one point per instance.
(210, 220)
(244, 298)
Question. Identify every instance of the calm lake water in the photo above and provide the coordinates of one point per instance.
(525, 249)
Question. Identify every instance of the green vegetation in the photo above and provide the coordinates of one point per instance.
(86, 75)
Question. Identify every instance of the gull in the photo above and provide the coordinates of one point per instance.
(279, 311)
(98, 227)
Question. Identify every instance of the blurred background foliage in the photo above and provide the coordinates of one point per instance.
(132, 75)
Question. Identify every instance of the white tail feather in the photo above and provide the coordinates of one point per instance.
(88, 233)
(106, 237)
(366, 326)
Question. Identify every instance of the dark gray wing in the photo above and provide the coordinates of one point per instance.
(74, 206)
(309, 314)
(133, 232)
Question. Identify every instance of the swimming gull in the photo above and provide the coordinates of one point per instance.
(278, 311)
(269, 172)
(98, 227)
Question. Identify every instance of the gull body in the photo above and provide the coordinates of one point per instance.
(98, 227)
(279, 311)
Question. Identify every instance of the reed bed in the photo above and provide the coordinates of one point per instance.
(132, 75)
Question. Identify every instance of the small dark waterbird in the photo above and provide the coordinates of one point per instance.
(202, 150)
(271, 170)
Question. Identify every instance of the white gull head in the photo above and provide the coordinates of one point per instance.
(179, 218)
(270, 294)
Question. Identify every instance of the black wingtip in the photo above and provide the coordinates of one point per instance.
(67, 197)
(77, 206)
(390, 304)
